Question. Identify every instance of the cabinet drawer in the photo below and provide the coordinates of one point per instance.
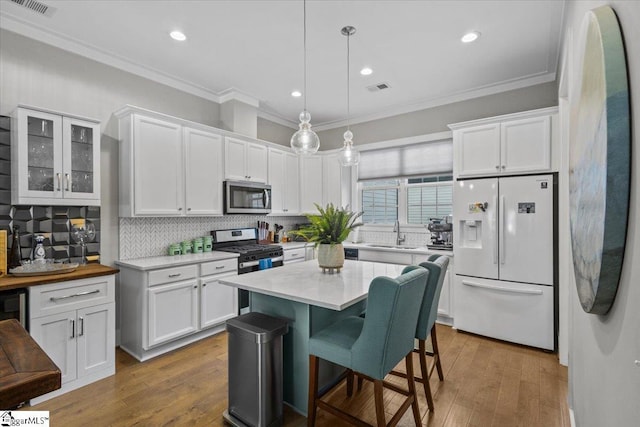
(75, 294)
(175, 274)
(291, 254)
(217, 267)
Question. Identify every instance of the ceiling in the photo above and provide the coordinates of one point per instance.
(253, 50)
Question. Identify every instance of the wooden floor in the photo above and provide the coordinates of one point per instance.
(487, 383)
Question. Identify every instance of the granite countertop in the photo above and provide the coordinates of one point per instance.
(152, 263)
(82, 272)
(390, 248)
(306, 283)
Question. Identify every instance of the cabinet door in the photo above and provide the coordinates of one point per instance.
(217, 302)
(173, 311)
(477, 150)
(158, 176)
(235, 159)
(256, 162)
(81, 160)
(526, 145)
(203, 172)
(291, 202)
(277, 181)
(310, 183)
(56, 334)
(37, 158)
(444, 305)
(96, 341)
(332, 180)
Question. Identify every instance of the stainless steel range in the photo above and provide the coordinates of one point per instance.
(253, 256)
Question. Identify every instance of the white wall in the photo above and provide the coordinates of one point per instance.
(604, 381)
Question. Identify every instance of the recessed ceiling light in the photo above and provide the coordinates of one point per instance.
(178, 35)
(470, 37)
(366, 71)
(296, 94)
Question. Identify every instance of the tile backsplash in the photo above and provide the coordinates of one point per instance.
(145, 237)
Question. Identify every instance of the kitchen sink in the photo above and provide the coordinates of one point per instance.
(372, 245)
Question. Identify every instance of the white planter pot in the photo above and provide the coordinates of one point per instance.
(330, 256)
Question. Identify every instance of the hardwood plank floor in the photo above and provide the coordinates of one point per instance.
(487, 383)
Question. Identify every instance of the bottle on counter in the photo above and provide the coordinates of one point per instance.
(197, 245)
(15, 256)
(39, 253)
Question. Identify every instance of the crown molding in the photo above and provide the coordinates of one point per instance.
(277, 119)
(16, 25)
(233, 94)
(436, 102)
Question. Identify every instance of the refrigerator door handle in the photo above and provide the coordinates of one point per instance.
(501, 289)
(502, 228)
(495, 240)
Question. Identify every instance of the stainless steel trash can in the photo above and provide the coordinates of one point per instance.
(255, 370)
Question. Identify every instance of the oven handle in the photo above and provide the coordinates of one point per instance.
(257, 262)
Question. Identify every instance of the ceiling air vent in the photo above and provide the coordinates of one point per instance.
(36, 6)
(378, 87)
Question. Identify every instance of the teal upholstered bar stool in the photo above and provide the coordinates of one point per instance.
(372, 346)
(437, 266)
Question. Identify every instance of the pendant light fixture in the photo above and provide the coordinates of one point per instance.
(305, 141)
(348, 156)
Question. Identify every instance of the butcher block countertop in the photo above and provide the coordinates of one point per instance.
(82, 272)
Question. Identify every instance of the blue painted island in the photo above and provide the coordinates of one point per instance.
(310, 300)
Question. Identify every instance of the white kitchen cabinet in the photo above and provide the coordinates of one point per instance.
(311, 183)
(513, 144)
(167, 169)
(173, 311)
(332, 180)
(284, 179)
(294, 255)
(203, 153)
(218, 303)
(164, 308)
(55, 158)
(74, 323)
(245, 161)
(389, 257)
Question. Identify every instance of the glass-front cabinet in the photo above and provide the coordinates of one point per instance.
(55, 158)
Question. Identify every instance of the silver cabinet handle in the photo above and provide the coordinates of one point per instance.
(497, 167)
(79, 294)
(59, 177)
(175, 275)
(189, 209)
(81, 333)
(73, 328)
(67, 180)
(179, 209)
(501, 289)
(292, 255)
(503, 167)
(219, 267)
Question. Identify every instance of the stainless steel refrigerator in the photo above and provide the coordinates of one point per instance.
(504, 249)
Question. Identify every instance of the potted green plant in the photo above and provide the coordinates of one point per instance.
(328, 229)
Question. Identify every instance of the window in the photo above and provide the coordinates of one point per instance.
(380, 201)
(429, 197)
(410, 200)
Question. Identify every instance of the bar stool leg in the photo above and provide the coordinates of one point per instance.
(377, 392)
(350, 376)
(436, 352)
(412, 388)
(425, 373)
(312, 404)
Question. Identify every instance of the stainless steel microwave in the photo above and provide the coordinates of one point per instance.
(243, 197)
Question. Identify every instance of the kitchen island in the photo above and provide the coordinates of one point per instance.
(309, 300)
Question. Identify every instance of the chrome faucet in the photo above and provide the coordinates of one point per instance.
(396, 229)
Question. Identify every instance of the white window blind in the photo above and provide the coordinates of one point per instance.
(418, 159)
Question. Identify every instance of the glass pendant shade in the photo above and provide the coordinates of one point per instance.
(305, 141)
(348, 156)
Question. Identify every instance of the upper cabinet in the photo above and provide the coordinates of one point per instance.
(167, 169)
(245, 161)
(311, 183)
(55, 159)
(513, 144)
(284, 178)
(332, 180)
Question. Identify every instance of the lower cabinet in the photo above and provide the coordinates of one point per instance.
(294, 255)
(166, 308)
(74, 323)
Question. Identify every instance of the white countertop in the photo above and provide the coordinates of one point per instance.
(306, 283)
(152, 263)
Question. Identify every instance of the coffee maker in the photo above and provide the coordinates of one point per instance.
(441, 233)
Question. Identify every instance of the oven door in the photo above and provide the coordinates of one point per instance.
(247, 197)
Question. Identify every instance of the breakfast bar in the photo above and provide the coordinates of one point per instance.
(309, 300)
